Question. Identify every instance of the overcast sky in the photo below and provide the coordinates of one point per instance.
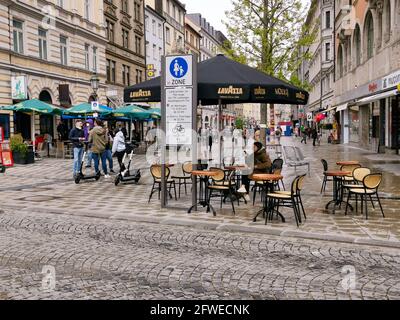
(212, 10)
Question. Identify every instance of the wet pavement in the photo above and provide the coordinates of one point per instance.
(47, 186)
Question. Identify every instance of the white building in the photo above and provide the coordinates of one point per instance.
(154, 42)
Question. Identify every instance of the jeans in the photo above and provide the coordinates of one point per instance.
(89, 158)
(78, 153)
(120, 157)
(109, 158)
(96, 158)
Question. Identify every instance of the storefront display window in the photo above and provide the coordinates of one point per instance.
(354, 124)
(5, 124)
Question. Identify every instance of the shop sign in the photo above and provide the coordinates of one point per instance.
(19, 90)
(392, 80)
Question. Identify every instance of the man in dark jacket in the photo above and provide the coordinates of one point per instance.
(77, 136)
(262, 164)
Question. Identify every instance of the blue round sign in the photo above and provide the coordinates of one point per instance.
(178, 68)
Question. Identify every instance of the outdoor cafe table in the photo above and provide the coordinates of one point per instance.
(347, 163)
(337, 180)
(269, 182)
(204, 181)
(237, 170)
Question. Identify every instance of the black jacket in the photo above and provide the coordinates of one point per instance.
(74, 136)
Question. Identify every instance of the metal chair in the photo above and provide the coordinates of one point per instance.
(185, 178)
(369, 189)
(326, 178)
(155, 171)
(224, 187)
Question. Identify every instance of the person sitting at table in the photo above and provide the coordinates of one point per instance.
(262, 164)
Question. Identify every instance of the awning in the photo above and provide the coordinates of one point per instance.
(376, 97)
(342, 107)
(328, 110)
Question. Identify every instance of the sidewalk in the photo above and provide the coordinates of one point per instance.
(47, 186)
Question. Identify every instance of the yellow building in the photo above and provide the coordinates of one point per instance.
(49, 50)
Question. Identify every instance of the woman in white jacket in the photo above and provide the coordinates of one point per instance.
(119, 147)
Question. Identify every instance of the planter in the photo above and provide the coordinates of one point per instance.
(20, 158)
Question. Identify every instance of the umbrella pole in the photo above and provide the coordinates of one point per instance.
(220, 129)
(130, 133)
(33, 132)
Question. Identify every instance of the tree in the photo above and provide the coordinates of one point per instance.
(269, 35)
(266, 33)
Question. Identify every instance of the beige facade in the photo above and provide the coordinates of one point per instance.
(51, 45)
(367, 53)
(125, 52)
(192, 38)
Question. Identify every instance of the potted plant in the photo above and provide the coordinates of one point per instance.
(20, 150)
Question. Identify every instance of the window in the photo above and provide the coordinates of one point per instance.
(160, 30)
(387, 21)
(125, 38)
(174, 12)
(340, 61)
(18, 36)
(5, 124)
(110, 30)
(137, 11)
(87, 9)
(125, 6)
(126, 77)
(147, 50)
(87, 67)
(138, 45)
(154, 51)
(153, 23)
(328, 20)
(42, 44)
(94, 59)
(160, 53)
(168, 7)
(327, 51)
(110, 71)
(146, 21)
(139, 76)
(167, 35)
(60, 3)
(63, 50)
(357, 45)
(369, 24)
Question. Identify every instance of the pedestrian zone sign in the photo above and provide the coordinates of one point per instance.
(309, 117)
(179, 71)
(95, 106)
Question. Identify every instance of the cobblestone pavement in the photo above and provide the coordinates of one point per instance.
(101, 259)
(47, 186)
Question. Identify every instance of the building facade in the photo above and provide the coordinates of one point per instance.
(192, 38)
(174, 13)
(155, 48)
(367, 73)
(49, 50)
(125, 52)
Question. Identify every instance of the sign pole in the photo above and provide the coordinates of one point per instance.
(163, 132)
(194, 132)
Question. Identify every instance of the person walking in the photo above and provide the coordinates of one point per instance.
(77, 136)
(210, 139)
(278, 135)
(109, 156)
(303, 135)
(119, 148)
(88, 126)
(314, 135)
(99, 138)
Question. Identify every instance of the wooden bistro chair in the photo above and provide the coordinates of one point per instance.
(289, 199)
(350, 168)
(369, 189)
(226, 187)
(186, 178)
(155, 171)
(358, 176)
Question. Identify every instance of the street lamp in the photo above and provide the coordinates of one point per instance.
(94, 83)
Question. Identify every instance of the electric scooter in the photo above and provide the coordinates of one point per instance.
(80, 176)
(127, 175)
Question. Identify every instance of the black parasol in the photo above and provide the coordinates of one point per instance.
(222, 80)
